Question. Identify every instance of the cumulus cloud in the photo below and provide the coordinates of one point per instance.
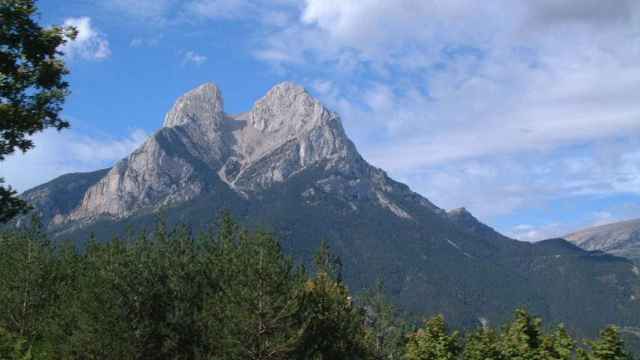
(58, 153)
(491, 105)
(398, 24)
(89, 44)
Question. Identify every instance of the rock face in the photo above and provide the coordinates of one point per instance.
(287, 165)
(621, 239)
(284, 134)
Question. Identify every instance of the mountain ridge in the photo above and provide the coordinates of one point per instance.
(619, 238)
(288, 165)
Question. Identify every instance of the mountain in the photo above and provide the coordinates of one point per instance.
(621, 239)
(287, 166)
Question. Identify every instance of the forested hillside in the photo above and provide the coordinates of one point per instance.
(228, 294)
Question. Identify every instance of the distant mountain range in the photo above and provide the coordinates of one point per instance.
(288, 166)
(621, 239)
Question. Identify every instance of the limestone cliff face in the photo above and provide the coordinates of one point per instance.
(202, 107)
(285, 133)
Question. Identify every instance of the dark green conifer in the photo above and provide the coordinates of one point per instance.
(434, 342)
(482, 344)
(522, 338)
(609, 346)
(385, 326)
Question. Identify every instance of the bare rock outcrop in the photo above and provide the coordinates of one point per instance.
(285, 133)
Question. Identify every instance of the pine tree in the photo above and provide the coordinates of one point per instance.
(259, 305)
(522, 338)
(433, 342)
(26, 283)
(482, 344)
(609, 346)
(385, 326)
(61, 318)
(558, 345)
(334, 324)
(104, 304)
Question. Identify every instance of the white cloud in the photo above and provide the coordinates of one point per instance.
(58, 153)
(491, 105)
(530, 233)
(89, 44)
(191, 57)
(495, 186)
(459, 78)
(415, 23)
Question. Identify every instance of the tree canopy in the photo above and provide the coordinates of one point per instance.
(229, 294)
(32, 85)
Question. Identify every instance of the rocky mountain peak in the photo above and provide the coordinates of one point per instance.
(459, 212)
(285, 87)
(465, 220)
(620, 238)
(201, 150)
(202, 106)
(287, 108)
(462, 216)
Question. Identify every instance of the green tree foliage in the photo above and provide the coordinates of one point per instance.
(522, 339)
(558, 345)
(228, 294)
(10, 205)
(170, 294)
(32, 86)
(260, 300)
(386, 327)
(434, 342)
(335, 325)
(13, 347)
(482, 344)
(608, 347)
(26, 284)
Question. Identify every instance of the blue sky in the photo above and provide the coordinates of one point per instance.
(525, 112)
